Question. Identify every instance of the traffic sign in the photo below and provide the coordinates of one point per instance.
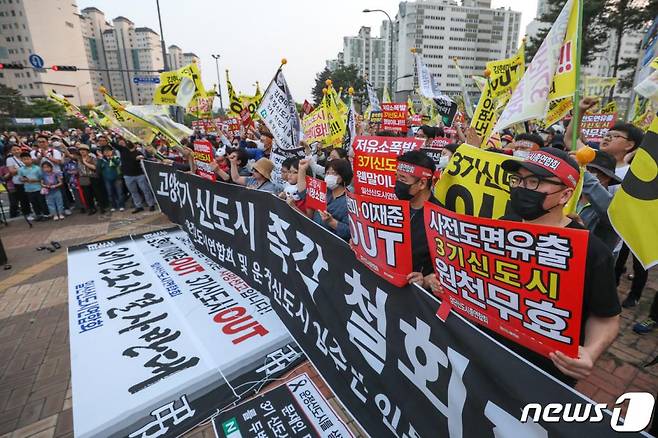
(146, 80)
(36, 60)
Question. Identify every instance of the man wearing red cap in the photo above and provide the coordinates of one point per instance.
(540, 186)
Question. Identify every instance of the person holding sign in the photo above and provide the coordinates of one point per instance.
(338, 175)
(413, 183)
(540, 186)
(261, 174)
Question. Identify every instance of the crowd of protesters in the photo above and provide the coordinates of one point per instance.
(49, 175)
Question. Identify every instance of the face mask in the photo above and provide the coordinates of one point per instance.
(332, 181)
(402, 191)
(521, 154)
(443, 162)
(527, 203)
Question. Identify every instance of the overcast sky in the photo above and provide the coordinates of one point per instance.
(253, 35)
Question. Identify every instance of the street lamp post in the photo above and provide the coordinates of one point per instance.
(219, 84)
(403, 77)
(390, 48)
(77, 88)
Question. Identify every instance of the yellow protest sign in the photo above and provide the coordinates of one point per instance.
(557, 109)
(335, 118)
(609, 108)
(170, 82)
(474, 183)
(637, 199)
(505, 74)
(598, 85)
(564, 80)
(126, 120)
(315, 125)
(654, 63)
(485, 115)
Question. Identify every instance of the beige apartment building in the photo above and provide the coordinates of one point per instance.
(52, 30)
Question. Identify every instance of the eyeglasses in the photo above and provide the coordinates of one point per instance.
(530, 182)
(615, 136)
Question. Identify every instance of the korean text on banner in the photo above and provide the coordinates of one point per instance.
(522, 281)
(203, 157)
(447, 109)
(316, 194)
(474, 183)
(375, 162)
(484, 116)
(598, 85)
(315, 125)
(380, 236)
(530, 98)
(394, 117)
(293, 409)
(278, 111)
(595, 126)
(396, 367)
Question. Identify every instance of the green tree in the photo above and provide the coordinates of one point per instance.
(344, 76)
(12, 104)
(594, 29)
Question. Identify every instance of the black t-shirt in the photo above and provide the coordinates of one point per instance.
(130, 165)
(420, 253)
(599, 298)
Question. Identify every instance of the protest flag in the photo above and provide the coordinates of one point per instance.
(549, 72)
(350, 129)
(468, 106)
(335, 116)
(372, 98)
(386, 97)
(251, 102)
(179, 87)
(68, 106)
(637, 199)
(235, 104)
(279, 112)
(426, 84)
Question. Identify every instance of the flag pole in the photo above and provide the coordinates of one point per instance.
(576, 95)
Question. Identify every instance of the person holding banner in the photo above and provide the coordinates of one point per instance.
(413, 183)
(540, 187)
(338, 175)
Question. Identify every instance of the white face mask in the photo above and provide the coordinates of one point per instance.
(521, 154)
(332, 181)
(443, 162)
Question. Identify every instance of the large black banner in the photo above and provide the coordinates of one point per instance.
(396, 367)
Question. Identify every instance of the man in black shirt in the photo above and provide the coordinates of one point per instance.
(133, 175)
(414, 184)
(540, 186)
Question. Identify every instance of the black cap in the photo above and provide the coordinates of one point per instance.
(606, 164)
(513, 165)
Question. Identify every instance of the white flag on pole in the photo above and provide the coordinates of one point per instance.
(279, 113)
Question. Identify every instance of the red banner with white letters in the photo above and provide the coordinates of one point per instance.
(203, 157)
(522, 281)
(394, 117)
(381, 236)
(316, 194)
(375, 161)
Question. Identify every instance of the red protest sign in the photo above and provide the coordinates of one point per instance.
(203, 156)
(316, 194)
(375, 161)
(416, 120)
(596, 126)
(394, 117)
(307, 108)
(380, 236)
(522, 281)
(245, 118)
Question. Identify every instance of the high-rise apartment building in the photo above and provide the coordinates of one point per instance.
(442, 30)
(50, 30)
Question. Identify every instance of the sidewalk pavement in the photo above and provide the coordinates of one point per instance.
(35, 384)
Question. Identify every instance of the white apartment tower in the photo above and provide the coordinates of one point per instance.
(52, 30)
(442, 30)
(369, 54)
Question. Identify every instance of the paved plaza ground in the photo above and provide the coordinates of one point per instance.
(35, 380)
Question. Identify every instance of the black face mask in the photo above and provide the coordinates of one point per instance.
(402, 191)
(527, 203)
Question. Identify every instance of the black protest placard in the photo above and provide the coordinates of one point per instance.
(294, 409)
(394, 365)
